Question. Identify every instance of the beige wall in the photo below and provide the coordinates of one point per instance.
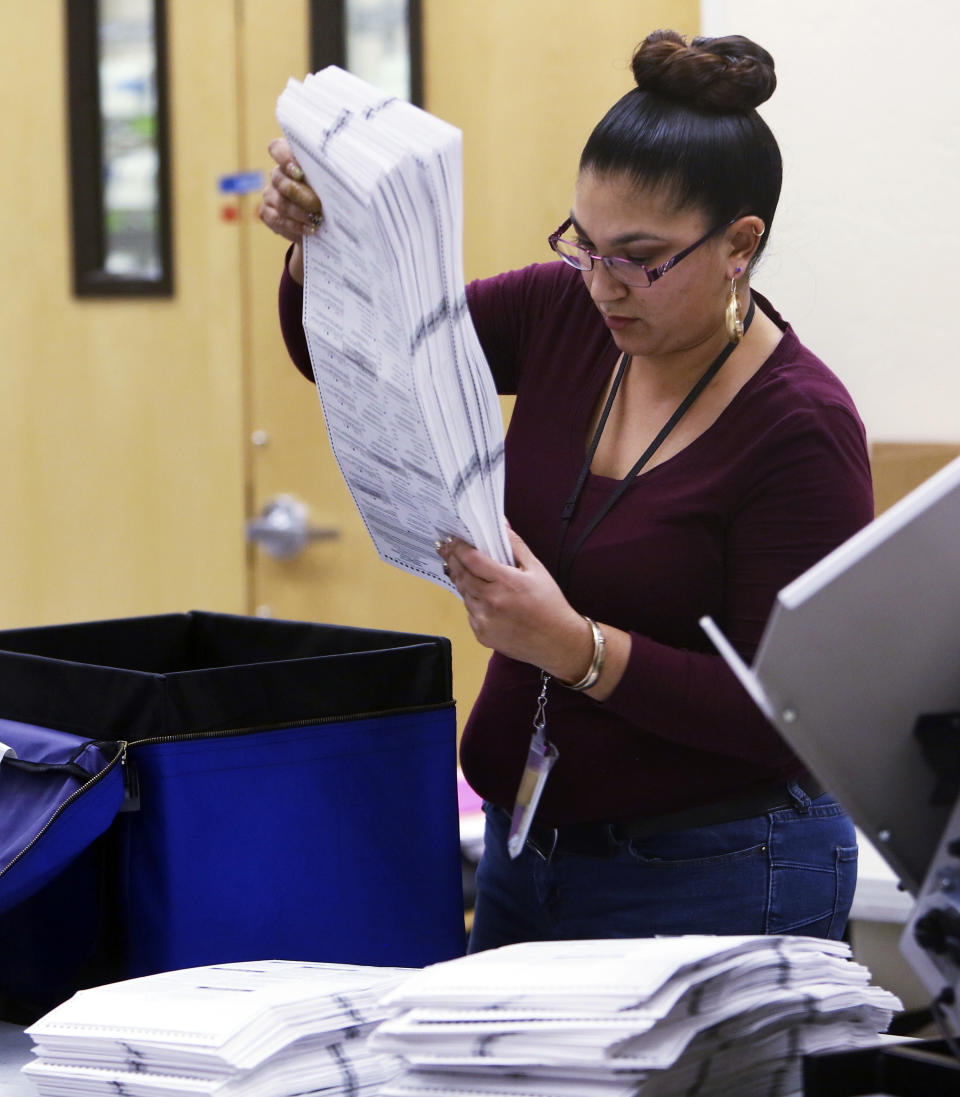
(527, 80)
(862, 259)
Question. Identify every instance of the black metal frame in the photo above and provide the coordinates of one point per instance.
(328, 40)
(90, 279)
(923, 1068)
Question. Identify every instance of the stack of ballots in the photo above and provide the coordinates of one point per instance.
(645, 1018)
(265, 1029)
(409, 403)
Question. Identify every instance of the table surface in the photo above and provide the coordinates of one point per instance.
(878, 896)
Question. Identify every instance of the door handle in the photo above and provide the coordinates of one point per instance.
(283, 528)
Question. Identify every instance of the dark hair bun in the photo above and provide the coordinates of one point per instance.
(716, 74)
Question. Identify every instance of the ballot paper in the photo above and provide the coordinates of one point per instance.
(653, 1017)
(265, 1029)
(407, 396)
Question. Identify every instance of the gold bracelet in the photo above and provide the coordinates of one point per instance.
(596, 663)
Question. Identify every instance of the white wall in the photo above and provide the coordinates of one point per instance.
(864, 258)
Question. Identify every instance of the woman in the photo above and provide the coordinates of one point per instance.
(673, 806)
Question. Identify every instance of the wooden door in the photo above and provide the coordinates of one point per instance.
(121, 484)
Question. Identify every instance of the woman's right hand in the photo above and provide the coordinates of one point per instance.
(289, 206)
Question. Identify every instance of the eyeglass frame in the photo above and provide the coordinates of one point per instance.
(608, 260)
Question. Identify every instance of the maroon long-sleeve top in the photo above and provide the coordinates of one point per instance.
(780, 479)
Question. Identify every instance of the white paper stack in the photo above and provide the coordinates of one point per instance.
(407, 395)
(645, 1018)
(267, 1029)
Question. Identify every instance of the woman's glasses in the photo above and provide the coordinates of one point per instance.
(629, 271)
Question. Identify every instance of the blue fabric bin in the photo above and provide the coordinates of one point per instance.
(252, 789)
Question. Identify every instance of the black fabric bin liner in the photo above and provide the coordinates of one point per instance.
(142, 677)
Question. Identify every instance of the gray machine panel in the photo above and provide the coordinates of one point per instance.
(855, 650)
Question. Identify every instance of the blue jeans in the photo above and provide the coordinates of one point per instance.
(791, 871)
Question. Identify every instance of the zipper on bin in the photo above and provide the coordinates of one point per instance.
(125, 745)
(185, 736)
(119, 758)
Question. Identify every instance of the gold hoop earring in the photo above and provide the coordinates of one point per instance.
(733, 320)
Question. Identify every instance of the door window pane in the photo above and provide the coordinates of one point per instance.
(119, 168)
(130, 159)
(378, 40)
(378, 44)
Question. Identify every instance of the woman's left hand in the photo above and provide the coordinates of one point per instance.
(520, 611)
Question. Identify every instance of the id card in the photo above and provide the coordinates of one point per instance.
(540, 760)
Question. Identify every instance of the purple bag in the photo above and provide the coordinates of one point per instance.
(58, 793)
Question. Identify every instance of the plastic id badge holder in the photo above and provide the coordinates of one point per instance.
(540, 760)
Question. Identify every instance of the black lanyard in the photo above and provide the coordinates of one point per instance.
(563, 567)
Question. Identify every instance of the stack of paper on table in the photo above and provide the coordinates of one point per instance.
(646, 1018)
(407, 395)
(266, 1029)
